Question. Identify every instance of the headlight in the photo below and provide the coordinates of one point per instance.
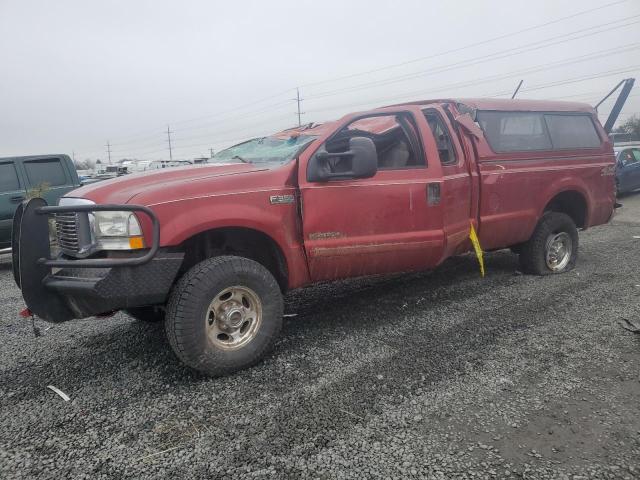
(106, 230)
(116, 230)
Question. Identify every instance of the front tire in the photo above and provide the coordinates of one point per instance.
(553, 247)
(224, 315)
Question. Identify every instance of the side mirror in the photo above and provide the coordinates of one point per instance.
(360, 161)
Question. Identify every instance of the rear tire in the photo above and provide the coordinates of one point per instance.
(553, 247)
(224, 315)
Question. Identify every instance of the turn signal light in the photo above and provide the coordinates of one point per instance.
(136, 243)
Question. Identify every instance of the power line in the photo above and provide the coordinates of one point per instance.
(492, 78)
(494, 56)
(572, 80)
(510, 52)
(267, 109)
(442, 68)
(239, 107)
(298, 99)
(387, 67)
(245, 126)
(465, 47)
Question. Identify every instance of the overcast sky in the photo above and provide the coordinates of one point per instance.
(78, 73)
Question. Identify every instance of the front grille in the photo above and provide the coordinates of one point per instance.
(67, 232)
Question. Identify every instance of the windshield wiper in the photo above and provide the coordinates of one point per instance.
(238, 157)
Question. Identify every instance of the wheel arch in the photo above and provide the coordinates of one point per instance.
(572, 202)
(241, 241)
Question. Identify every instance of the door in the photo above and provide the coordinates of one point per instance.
(12, 192)
(47, 178)
(456, 181)
(629, 177)
(390, 222)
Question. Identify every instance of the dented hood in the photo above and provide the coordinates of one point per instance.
(170, 183)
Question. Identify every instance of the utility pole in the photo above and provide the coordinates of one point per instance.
(169, 132)
(517, 90)
(108, 145)
(300, 113)
(73, 156)
(211, 150)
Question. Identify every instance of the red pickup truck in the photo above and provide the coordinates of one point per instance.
(395, 189)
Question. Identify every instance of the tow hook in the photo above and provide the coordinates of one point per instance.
(27, 313)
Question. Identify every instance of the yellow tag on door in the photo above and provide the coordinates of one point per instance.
(476, 246)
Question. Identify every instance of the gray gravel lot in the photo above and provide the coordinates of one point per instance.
(435, 375)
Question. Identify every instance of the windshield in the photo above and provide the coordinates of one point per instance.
(265, 150)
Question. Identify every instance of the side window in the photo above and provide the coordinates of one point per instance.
(8, 178)
(47, 170)
(572, 131)
(629, 157)
(395, 138)
(514, 131)
(443, 140)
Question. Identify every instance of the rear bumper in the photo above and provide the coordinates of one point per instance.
(83, 288)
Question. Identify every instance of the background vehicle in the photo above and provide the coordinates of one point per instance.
(627, 168)
(51, 175)
(145, 166)
(394, 189)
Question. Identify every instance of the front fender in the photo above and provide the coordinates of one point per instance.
(253, 210)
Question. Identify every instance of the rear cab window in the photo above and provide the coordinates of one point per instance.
(49, 171)
(530, 131)
(9, 181)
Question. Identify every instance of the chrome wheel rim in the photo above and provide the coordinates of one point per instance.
(558, 251)
(233, 317)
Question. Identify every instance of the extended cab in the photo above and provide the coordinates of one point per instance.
(394, 189)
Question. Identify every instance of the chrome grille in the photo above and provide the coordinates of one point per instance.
(67, 232)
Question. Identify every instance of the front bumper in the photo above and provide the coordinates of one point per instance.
(59, 289)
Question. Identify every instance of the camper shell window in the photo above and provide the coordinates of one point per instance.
(530, 131)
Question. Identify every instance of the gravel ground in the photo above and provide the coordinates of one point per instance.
(438, 375)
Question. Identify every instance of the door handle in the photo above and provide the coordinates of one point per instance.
(16, 199)
(433, 194)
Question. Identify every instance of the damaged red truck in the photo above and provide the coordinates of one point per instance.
(394, 189)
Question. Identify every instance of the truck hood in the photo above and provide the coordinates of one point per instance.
(164, 185)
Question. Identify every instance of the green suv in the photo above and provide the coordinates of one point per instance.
(46, 176)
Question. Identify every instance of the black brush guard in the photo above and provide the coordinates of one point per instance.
(85, 287)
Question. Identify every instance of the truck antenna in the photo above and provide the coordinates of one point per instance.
(517, 90)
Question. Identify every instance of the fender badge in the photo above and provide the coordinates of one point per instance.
(324, 235)
(281, 199)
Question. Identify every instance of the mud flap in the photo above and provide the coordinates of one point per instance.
(32, 242)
